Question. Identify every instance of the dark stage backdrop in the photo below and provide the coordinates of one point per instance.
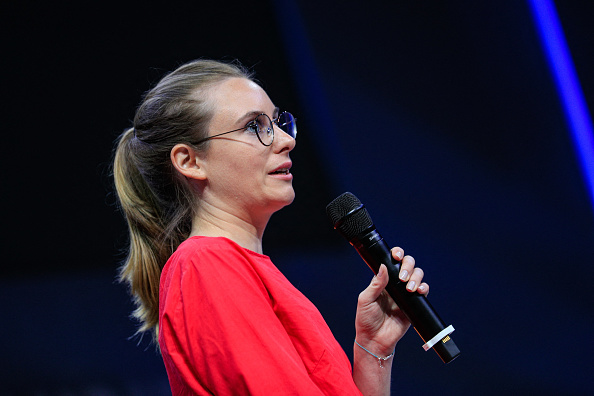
(442, 117)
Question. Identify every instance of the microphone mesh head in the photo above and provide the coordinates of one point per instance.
(345, 218)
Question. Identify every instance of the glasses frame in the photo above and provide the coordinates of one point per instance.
(272, 122)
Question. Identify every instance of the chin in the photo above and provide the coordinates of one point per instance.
(284, 200)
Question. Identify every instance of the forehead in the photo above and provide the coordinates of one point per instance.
(237, 96)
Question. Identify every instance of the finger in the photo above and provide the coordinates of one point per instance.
(375, 288)
(397, 253)
(415, 280)
(406, 269)
(423, 289)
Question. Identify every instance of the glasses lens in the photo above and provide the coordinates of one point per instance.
(265, 130)
(287, 123)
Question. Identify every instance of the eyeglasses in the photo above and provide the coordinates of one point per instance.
(262, 127)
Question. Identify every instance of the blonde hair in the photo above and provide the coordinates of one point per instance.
(157, 201)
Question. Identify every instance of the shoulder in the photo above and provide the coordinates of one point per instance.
(210, 274)
(208, 260)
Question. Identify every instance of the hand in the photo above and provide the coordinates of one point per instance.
(379, 323)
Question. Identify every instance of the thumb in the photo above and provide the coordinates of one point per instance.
(377, 285)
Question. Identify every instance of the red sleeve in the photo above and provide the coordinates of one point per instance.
(219, 333)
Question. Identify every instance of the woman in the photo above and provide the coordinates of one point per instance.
(198, 177)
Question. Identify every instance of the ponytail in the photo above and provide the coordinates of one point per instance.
(157, 201)
(142, 267)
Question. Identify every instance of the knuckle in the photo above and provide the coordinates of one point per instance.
(361, 298)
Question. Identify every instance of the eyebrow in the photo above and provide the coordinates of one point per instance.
(255, 113)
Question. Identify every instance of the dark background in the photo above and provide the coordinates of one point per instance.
(441, 116)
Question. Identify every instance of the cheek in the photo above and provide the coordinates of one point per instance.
(240, 167)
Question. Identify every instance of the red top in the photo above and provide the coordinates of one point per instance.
(231, 324)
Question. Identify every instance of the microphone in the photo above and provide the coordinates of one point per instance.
(352, 221)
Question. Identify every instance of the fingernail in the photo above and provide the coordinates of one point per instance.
(403, 275)
(410, 286)
(399, 255)
(421, 288)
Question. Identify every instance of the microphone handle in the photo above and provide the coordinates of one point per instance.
(374, 251)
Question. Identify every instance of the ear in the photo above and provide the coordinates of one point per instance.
(187, 162)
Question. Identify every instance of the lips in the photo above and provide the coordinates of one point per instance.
(282, 170)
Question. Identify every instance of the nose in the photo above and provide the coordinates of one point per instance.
(282, 140)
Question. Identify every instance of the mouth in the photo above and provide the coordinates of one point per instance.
(282, 171)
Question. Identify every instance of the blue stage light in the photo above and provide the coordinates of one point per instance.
(568, 86)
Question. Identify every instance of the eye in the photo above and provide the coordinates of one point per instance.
(264, 126)
(252, 127)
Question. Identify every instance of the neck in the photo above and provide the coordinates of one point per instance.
(213, 221)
